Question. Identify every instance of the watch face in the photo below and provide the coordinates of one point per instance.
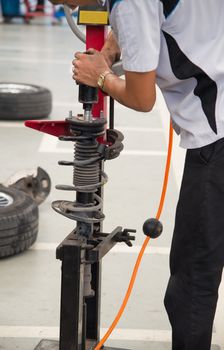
(101, 81)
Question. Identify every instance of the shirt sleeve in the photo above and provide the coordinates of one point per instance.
(137, 27)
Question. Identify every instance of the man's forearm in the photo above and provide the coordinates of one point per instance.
(141, 98)
(111, 50)
(127, 92)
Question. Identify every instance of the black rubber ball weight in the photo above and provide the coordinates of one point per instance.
(152, 228)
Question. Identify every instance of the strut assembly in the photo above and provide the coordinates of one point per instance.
(82, 250)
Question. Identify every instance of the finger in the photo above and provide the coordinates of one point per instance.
(90, 51)
(75, 71)
(78, 55)
(76, 79)
(75, 63)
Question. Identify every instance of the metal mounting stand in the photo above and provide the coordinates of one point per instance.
(79, 324)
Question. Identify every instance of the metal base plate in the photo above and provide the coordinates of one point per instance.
(54, 345)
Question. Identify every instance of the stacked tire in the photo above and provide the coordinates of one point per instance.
(24, 101)
(18, 221)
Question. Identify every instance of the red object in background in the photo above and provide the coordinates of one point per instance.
(37, 12)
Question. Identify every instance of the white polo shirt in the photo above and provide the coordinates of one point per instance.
(183, 40)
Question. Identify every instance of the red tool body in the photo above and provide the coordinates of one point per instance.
(95, 38)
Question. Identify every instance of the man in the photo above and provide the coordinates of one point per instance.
(178, 44)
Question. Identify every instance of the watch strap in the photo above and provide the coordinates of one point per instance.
(102, 78)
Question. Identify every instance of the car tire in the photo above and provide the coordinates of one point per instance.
(24, 101)
(18, 221)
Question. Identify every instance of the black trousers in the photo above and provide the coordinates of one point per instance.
(197, 252)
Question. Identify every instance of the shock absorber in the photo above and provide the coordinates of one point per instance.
(88, 176)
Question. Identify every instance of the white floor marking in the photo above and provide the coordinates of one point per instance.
(53, 332)
(21, 48)
(49, 144)
(44, 246)
(67, 104)
(122, 249)
(28, 332)
(143, 153)
(149, 335)
(140, 130)
(123, 334)
(12, 124)
(21, 60)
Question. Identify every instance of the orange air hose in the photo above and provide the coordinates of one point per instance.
(141, 253)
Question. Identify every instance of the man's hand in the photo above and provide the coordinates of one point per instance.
(137, 91)
(87, 67)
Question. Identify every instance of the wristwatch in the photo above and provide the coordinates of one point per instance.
(102, 77)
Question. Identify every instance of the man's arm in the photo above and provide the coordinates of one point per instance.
(137, 91)
(137, 88)
(111, 50)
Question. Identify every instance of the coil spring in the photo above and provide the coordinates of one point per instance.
(88, 174)
(87, 178)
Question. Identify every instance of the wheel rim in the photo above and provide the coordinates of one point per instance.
(17, 88)
(5, 200)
